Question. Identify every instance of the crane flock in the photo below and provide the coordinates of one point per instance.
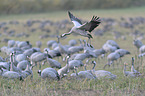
(21, 57)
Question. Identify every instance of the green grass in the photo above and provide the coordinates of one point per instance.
(69, 86)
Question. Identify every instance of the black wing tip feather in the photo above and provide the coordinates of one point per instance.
(70, 14)
(94, 23)
(96, 18)
(73, 18)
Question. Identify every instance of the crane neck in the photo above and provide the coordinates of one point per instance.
(85, 67)
(11, 60)
(81, 44)
(76, 71)
(47, 55)
(13, 67)
(46, 51)
(132, 61)
(87, 62)
(94, 66)
(39, 72)
(58, 39)
(67, 63)
(85, 43)
(28, 67)
(13, 57)
(124, 68)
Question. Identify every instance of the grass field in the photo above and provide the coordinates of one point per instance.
(69, 86)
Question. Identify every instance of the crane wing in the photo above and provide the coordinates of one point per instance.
(76, 21)
(89, 26)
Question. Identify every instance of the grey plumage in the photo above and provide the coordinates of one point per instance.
(54, 63)
(29, 52)
(22, 64)
(102, 74)
(137, 43)
(82, 75)
(49, 73)
(137, 73)
(142, 49)
(49, 43)
(109, 48)
(38, 57)
(11, 43)
(81, 56)
(24, 44)
(99, 51)
(112, 57)
(113, 43)
(72, 42)
(38, 44)
(20, 57)
(74, 49)
(64, 70)
(75, 63)
(6, 65)
(122, 52)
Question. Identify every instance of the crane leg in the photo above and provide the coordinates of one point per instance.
(31, 77)
(89, 43)
(64, 58)
(113, 65)
(36, 64)
(43, 63)
(39, 66)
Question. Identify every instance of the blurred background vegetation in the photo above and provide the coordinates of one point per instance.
(36, 6)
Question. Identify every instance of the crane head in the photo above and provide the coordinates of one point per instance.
(39, 72)
(68, 57)
(94, 62)
(132, 61)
